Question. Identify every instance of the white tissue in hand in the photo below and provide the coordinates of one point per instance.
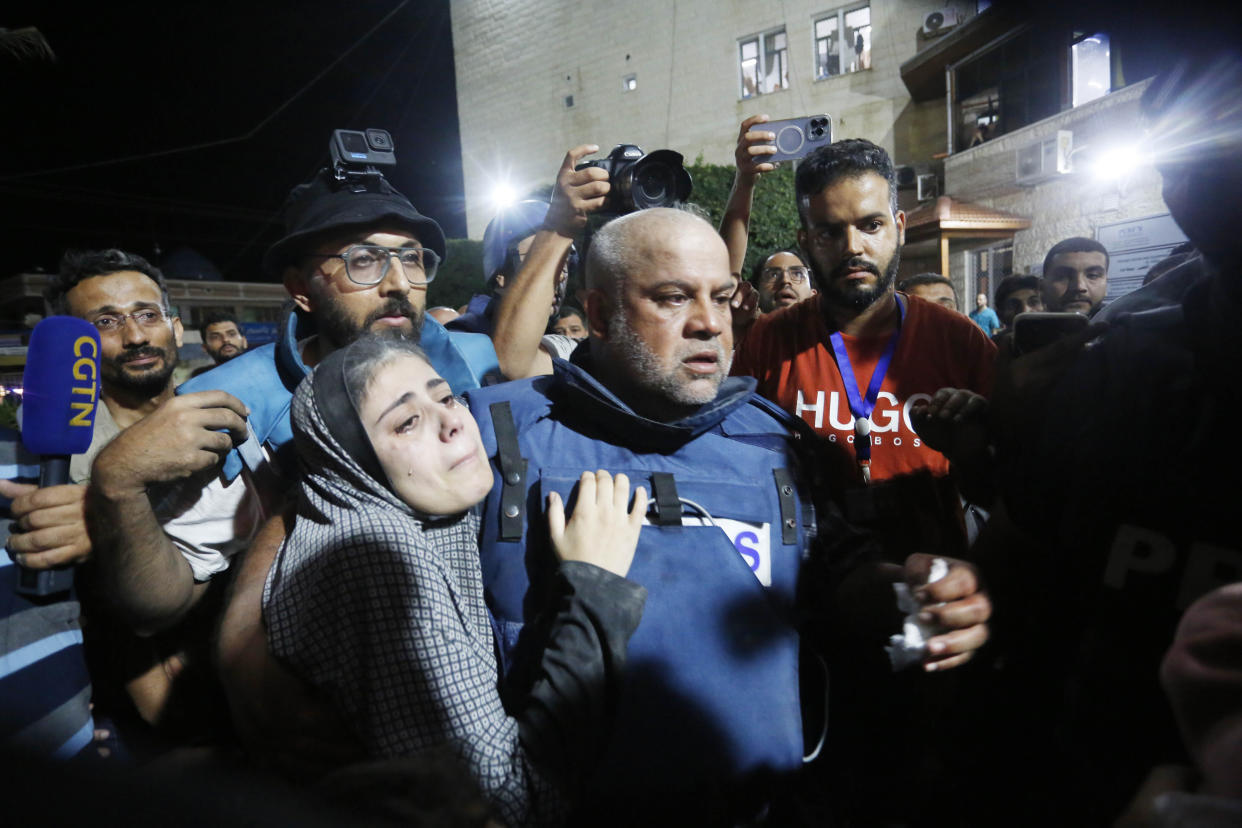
(910, 645)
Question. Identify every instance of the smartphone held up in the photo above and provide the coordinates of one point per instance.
(1036, 329)
(797, 137)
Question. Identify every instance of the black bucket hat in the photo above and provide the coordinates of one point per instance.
(323, 204)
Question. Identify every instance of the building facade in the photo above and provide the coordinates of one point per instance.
(1003, 112)
(536, 77)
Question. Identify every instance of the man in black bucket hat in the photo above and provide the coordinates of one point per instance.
(356, 256)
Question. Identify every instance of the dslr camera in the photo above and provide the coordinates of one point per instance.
(361, 155)
(640, 181)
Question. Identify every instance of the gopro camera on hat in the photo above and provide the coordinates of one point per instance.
(350, 193)
(359, 154)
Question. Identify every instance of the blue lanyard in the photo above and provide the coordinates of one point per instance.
(861, 407)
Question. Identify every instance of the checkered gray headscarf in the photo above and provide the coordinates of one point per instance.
(382, 610)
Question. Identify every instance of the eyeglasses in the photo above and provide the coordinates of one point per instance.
(796, 274)
(367, 264)
(146, 318)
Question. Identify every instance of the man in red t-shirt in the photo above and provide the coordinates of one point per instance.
(898, 350)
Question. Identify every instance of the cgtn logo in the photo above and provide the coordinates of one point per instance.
(85, 382)
(60, 387)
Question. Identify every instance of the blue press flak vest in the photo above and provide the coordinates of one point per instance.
(710, 693)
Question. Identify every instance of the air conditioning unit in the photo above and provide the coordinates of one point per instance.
(1047, 159)
(928, 186)
(940, 21)
(907, 177)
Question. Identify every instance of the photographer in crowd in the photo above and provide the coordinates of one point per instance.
(507, 243)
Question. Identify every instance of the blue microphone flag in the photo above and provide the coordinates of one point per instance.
(60, 391)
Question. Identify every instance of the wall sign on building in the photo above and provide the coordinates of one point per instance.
(1134, 246)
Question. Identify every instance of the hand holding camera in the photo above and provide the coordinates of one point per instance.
(641, 181)
(580, 190)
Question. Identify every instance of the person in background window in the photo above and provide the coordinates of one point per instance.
(1076, 276)
(782, 279)
(569, 322)
(1018, 294)
(222, 337)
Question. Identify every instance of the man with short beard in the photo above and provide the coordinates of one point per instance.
(856, 364)
(125, 298)
(710, 715)
(222, 337)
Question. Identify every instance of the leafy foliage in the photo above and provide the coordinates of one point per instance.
(459, 277)
(774, 213)
(8, 412)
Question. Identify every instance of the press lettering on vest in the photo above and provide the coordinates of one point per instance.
(745, 545)
(1207, 568)
(1139, 550)
(751, 540)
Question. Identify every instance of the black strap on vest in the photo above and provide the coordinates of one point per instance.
(512, 473)
(786, 495)
(667, 503)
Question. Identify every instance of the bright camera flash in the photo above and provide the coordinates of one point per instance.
(1117, 163)
(503, 195)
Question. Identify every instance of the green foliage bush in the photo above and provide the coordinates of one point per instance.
(459, 277)
(773, 216)
(8, 412)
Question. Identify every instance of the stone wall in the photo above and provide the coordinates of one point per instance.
(1075, 204)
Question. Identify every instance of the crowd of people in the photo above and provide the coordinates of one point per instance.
(801, 546)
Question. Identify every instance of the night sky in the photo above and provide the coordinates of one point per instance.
(262, 85)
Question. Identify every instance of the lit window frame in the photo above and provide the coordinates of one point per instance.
(843, 48)
(759, 39)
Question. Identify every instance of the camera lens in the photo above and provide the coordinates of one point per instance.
(379, 139)
(653, 185)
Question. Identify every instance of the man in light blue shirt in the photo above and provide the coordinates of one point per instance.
(985, 317)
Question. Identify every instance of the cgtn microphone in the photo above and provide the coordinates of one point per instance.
(59, 397)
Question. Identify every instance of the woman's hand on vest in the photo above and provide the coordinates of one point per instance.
(601, 530)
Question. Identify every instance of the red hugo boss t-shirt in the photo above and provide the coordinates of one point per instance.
(791, 355)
